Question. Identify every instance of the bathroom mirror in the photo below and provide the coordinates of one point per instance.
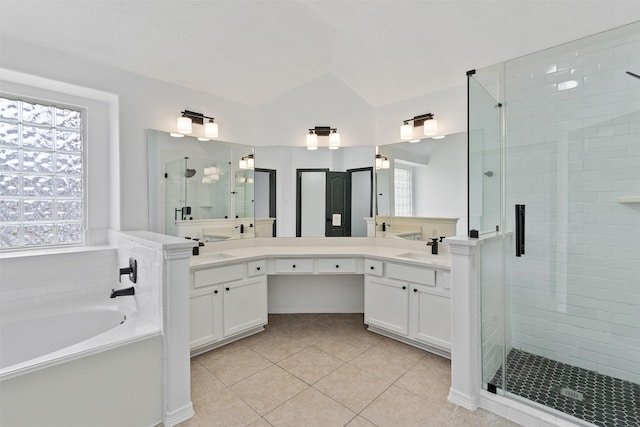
(300, 183)
(421, 188)
(200, 189)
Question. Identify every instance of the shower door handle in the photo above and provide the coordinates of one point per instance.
(519, 230)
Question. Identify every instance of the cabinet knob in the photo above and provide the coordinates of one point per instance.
(337, 265)
(404, 287)
(294, 266)
(415, 290)
(215, 292)
(372, 267)
(258, 268)
(226, 289)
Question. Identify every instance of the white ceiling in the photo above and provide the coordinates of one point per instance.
(254, 50)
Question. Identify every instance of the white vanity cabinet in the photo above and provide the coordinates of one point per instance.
(227, 302)
(410, 303)
(386, 304)
(205, 326)
(245, 305)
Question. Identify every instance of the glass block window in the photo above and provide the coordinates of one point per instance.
(403, 191)
(41, 175)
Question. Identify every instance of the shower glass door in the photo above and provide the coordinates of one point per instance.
(572, 160)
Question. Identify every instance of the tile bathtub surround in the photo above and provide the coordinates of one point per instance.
(36, 280)
(324, 370)
(148, 286)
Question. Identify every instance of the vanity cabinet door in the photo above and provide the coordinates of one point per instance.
(430, 316)
(245, 305)
(386, 304)
(205, 325)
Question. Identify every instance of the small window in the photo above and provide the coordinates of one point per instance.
(41, 175)
(403, 191)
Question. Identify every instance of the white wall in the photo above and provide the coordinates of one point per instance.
(324, 101)
(146, 103)
(448, 105)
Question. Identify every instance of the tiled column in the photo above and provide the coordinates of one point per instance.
(465, 321)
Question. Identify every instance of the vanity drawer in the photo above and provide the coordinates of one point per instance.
(373, 268)
(294, 265)
(256, 268)
(424, 276)
(213, 276)
(336, 265)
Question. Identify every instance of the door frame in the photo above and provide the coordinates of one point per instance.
(371, 188)
(272, 196)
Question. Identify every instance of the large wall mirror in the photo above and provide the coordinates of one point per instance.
(200, 189)
(216, 190)
(421, 188)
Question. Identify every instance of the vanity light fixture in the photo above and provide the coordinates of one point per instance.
(211, 129)
(429, 124)
(332, 133)
(334, 140)
(184, 124)
(247, 162)
(312, 140)
(382, 162)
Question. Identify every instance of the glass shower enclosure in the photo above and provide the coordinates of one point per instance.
(554, 192)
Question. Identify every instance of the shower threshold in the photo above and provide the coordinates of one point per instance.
(587, 395)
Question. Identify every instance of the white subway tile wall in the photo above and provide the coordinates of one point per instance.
(37, 280)
(573, 132)
(32, 281)
(149, 283)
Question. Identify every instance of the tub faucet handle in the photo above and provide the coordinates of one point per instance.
(132, 271)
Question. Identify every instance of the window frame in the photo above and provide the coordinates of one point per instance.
(102, 153)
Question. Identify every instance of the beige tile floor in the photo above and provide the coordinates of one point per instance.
(325, 370)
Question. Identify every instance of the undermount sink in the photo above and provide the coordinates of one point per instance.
(416, 255)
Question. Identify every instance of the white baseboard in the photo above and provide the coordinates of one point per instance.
(460, 399)
(179, 415)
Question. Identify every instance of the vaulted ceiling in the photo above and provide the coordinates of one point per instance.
(254, 50)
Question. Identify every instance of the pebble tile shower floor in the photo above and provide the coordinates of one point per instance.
(325, 370)
(587, 395)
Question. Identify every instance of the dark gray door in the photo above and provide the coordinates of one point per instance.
(338, 204)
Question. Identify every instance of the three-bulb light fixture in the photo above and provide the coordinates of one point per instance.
(332, 133)
(184, 125)
(429, 124)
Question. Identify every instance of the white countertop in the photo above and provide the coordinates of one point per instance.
(408, 252)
